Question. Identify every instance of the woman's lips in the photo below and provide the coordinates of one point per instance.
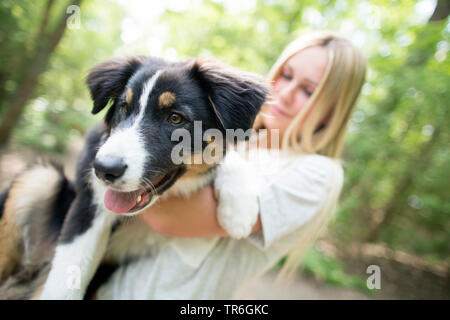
(276, 110)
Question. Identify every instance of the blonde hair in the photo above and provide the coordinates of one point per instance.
(334, 98)
(335, 95)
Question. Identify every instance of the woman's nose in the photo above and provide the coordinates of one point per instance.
(287, 94)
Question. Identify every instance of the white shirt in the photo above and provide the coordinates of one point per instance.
(215, 268)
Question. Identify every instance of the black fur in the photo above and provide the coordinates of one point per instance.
(237, 97)
(101, 276)
(64, 199)
(82, 211)
(107, 80)
(3, 197)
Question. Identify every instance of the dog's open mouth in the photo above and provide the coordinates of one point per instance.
(129, 202)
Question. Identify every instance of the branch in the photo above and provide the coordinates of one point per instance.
(441, 11)
(416, 164)
(54, 38)
(45, 17)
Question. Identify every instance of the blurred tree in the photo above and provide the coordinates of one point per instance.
(413, 160)
(22, 71)
(58, 107)
(397, 153)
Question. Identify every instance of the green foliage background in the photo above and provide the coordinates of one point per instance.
(396, 157)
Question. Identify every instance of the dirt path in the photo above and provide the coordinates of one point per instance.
(301, 288)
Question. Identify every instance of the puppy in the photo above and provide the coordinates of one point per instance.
(127, 164)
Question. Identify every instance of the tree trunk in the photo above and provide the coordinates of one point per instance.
(417, 164)
(33, 67)
(423, 158)
(441, 11)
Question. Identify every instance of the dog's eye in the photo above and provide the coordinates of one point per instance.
(123, 107)
(175, 118)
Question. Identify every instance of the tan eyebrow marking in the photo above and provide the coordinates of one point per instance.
(129, 95)
(166, 99)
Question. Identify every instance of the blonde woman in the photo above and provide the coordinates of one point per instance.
(316, 82)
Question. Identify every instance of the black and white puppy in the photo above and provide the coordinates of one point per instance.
(127, 162)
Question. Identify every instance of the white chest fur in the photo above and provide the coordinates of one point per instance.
(187, 186)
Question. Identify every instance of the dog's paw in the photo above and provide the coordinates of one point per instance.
(237, 188)
(238, 216)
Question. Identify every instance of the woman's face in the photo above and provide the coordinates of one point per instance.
(295, 84)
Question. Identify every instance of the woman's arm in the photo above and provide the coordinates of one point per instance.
(193, 217)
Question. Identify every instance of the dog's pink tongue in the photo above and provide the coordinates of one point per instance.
(120, 202)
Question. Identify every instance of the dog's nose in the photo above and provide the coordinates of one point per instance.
(109, 169)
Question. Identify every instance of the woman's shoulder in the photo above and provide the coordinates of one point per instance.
(286, 167)
(316, 163)
(316, 169)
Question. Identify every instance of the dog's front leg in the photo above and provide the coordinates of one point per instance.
(237, 187)
(78, 253)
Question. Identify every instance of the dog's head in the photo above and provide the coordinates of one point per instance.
(148, 99)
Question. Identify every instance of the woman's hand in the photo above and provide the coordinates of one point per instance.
(193, 217)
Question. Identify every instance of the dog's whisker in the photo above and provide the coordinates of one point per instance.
(149, 184)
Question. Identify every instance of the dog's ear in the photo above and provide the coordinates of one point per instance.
(107, 79)
(235, 96)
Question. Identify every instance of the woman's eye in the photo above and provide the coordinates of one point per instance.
(175, 118)
(308, 92)
(285, 75)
